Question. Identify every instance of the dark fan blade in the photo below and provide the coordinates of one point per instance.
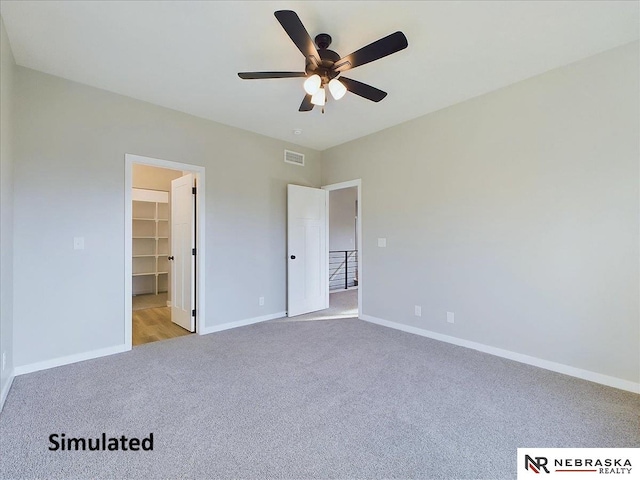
(378, 49)
(259, 75)
(294, 28)
(362, 89)
(306, 105)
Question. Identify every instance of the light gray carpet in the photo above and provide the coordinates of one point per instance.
(342, 304)
(327, 399)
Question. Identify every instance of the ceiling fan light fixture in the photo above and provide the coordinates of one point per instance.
(319, 98)
(312, 84)
(337, 89)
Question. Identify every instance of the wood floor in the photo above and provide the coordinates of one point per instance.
(153, 324)
(149, 300)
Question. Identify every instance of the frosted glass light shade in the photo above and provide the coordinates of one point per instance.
(319, 98)
(312, 84)
(337, 89)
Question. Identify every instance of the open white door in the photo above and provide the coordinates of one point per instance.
(182, 245)
(306, 250)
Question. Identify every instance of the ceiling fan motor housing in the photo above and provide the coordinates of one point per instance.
(327, 59)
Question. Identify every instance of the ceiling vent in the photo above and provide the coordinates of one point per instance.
(294, 157)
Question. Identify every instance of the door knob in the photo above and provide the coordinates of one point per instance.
(170, 258)
(293, 257)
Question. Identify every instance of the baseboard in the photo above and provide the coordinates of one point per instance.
(518, 357)
(79, 357)
(242, 323)
(5, 389)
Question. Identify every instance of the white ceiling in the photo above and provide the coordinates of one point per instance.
(185, 55)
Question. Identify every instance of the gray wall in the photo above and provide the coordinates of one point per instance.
(342, 215)
(7, 66)
(518, 211)
(69, 181)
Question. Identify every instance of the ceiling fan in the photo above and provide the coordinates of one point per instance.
(323, 66)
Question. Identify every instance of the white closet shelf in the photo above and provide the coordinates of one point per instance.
(150, 212)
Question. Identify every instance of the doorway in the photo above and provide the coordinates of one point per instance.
(313, 268)
(344, 234)
(153, 242)
(164, 249)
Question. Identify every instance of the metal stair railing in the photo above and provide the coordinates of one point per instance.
(343, 269)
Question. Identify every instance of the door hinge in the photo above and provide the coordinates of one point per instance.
(193, 312)
(193, 190)
(193, 251)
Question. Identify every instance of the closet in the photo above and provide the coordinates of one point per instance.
(150, 247)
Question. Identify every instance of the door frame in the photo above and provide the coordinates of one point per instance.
(339, 186)
(199, 174)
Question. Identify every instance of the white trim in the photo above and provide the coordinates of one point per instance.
(327, 269)
(518, 357)
(145, 195)
(199, 173)
(339, 186)
(78, 357)
(5, 391)
(242, 323)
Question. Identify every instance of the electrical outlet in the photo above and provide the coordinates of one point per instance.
(4, 360)
(450, 318)
(382, 242)
(261, 301)
(418, 311)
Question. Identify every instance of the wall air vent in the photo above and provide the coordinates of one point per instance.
(294, 157)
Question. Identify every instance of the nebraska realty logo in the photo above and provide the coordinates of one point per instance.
(578, 462)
